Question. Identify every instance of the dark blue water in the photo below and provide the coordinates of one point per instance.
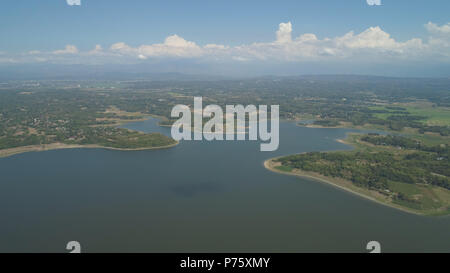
(195, 197)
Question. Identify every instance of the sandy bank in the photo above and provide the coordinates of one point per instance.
(56, 146)
(341, 184)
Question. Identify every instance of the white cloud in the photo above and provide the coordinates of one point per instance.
(373, 37)
(216, 47)
(34, 52)
(70, 49)
(173, 46)
(240, 59)
(284, 33)
(40, 59)
(73, 2)
(306, 37)
(372, 44)
(439, 40)
(120, 46)
(98, 50)
(439, 30)
(374, 2)
(8, 60)
(373, 41)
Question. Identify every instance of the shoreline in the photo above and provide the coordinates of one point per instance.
(269, 165)
(320, 126)
(58, 146)
(367, 126)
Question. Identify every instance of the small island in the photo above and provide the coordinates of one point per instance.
(401, 172)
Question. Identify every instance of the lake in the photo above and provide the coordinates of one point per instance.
(199, 196)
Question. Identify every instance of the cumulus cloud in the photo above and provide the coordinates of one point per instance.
(373, 41)
(371, 44)
(374, 2)
(284, 33)
(439, 40)
(34, 52)
(98, 50)
(439, 30)
(74, 2)
(173, 46)
(373, 37)
(216, 47)
(70, 49)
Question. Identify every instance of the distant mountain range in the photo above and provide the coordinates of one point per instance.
(176, 71)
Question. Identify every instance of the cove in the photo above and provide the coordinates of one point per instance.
(199, 196)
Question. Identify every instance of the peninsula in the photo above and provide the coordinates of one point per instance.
(397, 171)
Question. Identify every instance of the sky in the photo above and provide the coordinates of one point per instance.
(397, 37)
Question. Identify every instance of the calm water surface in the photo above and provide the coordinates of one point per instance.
(196, 197)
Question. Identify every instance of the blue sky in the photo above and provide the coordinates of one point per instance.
(46, 27)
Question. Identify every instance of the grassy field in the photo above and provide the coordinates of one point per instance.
(435, 116)
(430, 197)
(432, 115)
